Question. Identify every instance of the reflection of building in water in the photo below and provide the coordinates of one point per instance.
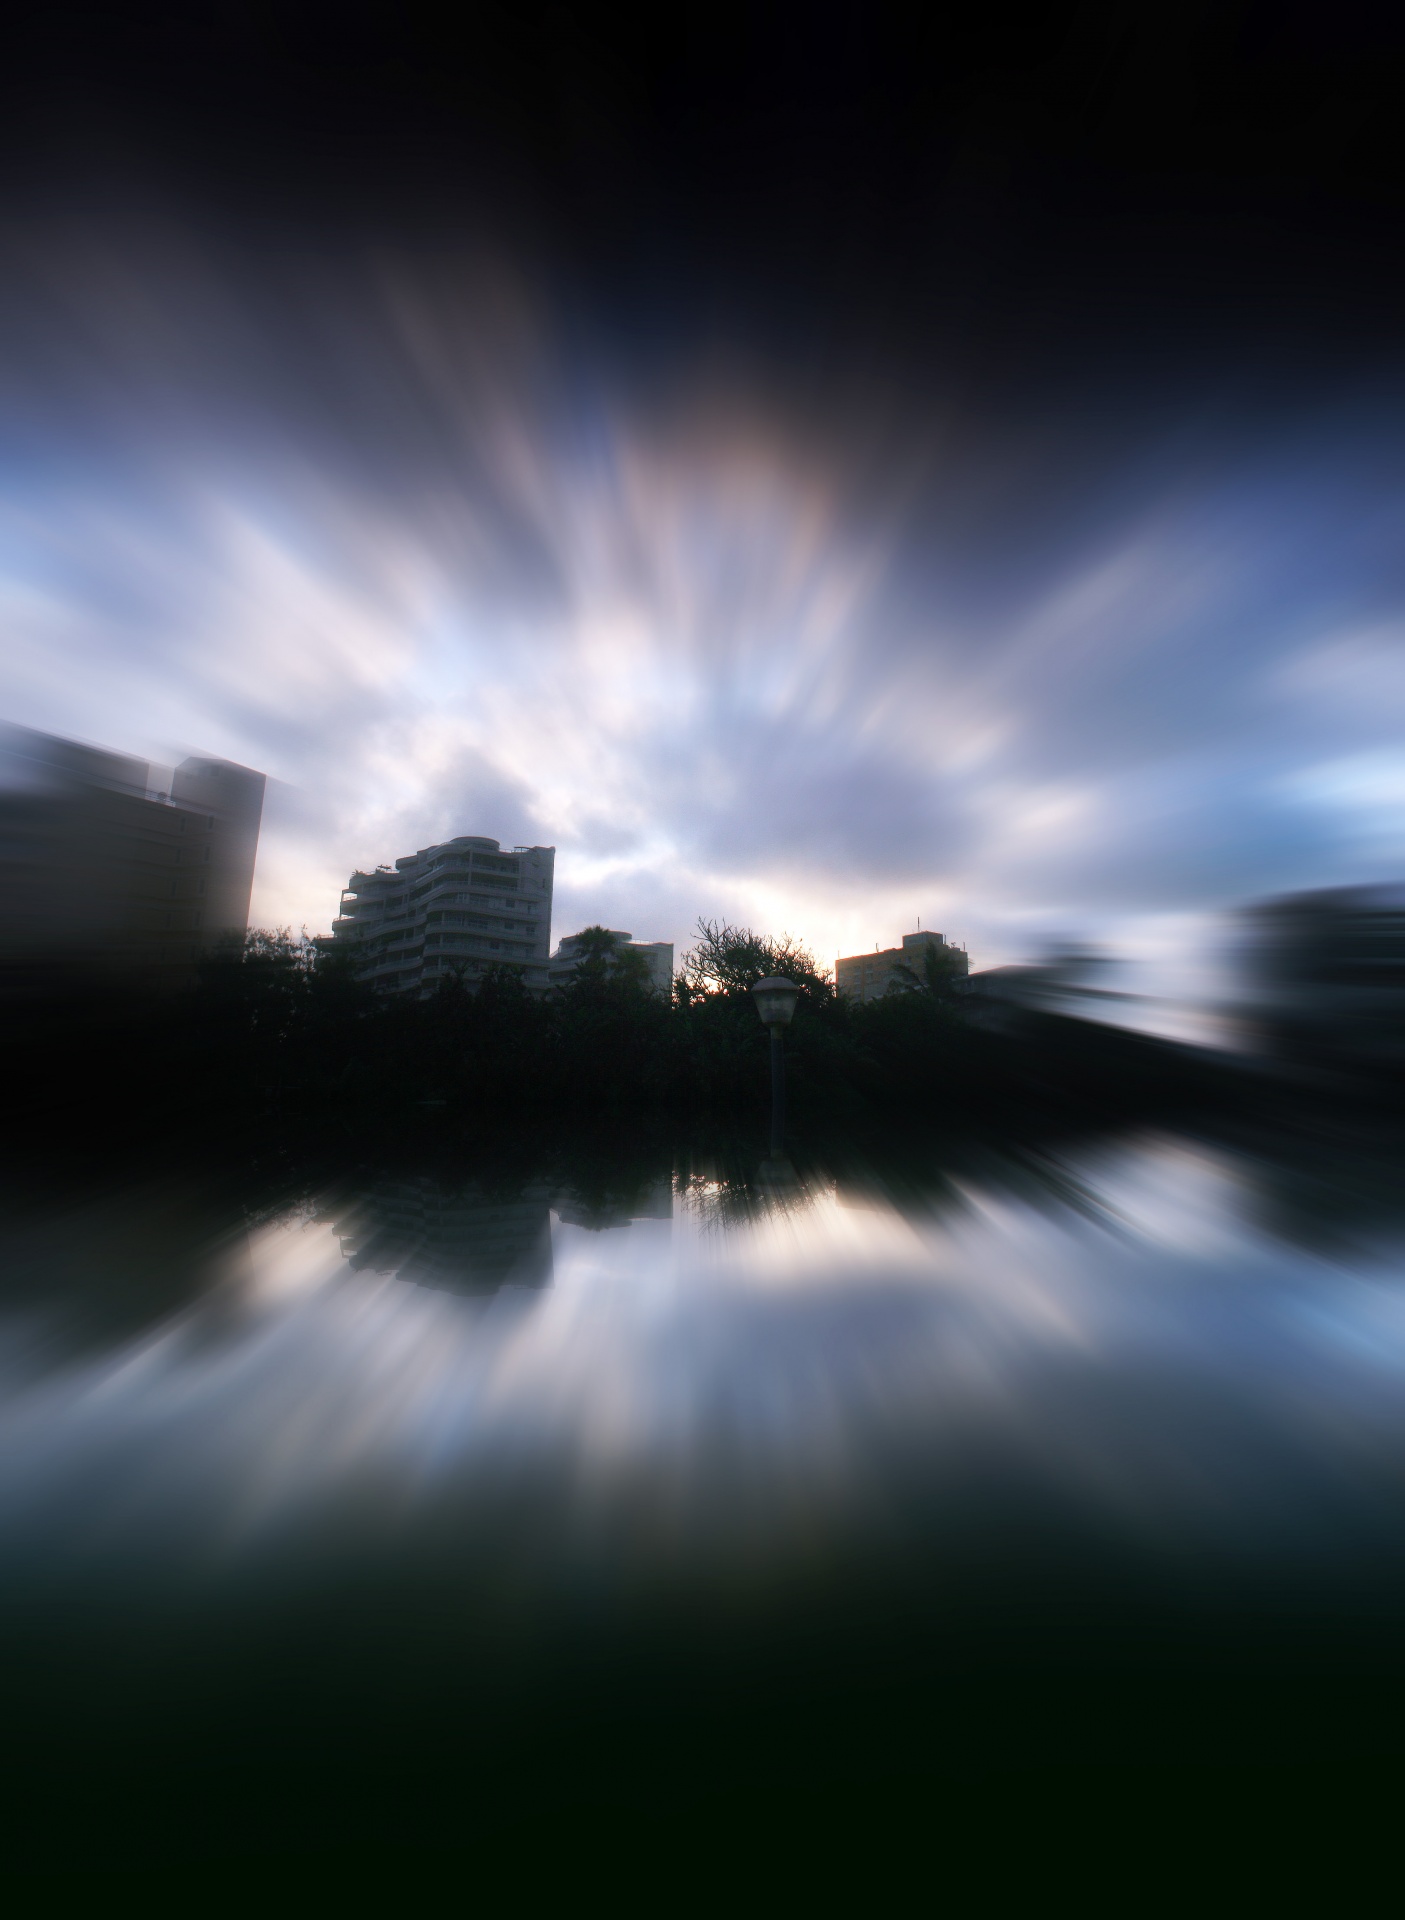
(868, 976)
(457, 1241)
(651, 1201)
(96, 866)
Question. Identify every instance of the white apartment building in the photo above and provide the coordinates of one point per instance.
(657, 955)
(461, 907)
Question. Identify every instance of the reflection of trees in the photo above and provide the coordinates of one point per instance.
(634, 1200)
(1320, 1181)
(605, 1178)
(906, 1168)
(722, 1191)
(934, 1174)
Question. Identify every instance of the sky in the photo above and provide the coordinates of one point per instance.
(802, 493)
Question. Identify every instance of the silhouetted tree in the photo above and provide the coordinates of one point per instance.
(607, 960)
(942, 975)
(728, 959)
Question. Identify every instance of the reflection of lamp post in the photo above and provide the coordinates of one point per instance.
(775, 1002)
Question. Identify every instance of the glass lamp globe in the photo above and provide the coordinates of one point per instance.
(775, 1000)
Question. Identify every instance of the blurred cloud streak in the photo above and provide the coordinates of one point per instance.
(821, 653)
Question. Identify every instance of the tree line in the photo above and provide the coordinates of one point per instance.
(278, 1043)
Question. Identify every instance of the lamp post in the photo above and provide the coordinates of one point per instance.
(775, 1002)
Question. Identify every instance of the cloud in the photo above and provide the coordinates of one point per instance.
(735, 642)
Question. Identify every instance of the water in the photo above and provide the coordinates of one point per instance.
(847, 1468)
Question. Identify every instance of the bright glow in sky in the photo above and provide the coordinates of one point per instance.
(736, 645)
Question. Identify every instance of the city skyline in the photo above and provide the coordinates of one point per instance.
(83, 870)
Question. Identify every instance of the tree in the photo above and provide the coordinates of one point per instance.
(606, 961)
(730, 960)
(942, 974)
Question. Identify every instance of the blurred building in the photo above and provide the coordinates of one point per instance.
(97, 868)
(868, 976)
(458, 908)
(997, 996)
(1327, 978)
(657, 956)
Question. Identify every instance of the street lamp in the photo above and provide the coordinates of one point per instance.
(775, 1002)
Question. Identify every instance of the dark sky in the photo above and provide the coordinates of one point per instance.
(809, 464)
(1031, 192)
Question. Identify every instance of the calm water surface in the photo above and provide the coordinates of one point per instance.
(804, 1457)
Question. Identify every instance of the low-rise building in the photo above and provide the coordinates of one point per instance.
(868, 976)
(460, 907)
(656, 954)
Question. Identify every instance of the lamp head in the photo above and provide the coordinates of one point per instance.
(775, 1000)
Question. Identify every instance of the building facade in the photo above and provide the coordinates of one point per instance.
(458, 908)
(656, 954)
(868, 976)
(97, 868)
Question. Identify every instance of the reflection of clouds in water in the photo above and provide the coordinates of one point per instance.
(1174, 1195)
(747, 1382)
(287, 1259)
